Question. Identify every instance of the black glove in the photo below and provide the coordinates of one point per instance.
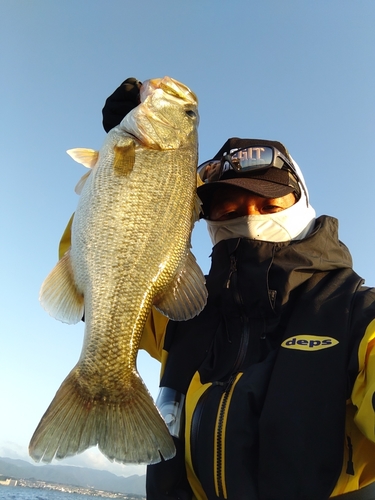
(118, 104)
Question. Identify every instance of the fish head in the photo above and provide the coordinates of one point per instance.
(166, 118)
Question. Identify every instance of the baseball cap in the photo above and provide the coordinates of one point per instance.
(257, 165)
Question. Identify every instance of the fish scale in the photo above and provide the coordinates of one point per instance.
(130, 251)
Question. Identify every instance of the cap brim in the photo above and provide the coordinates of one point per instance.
(257, 186)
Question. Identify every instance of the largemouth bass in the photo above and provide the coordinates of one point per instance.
(130, 251)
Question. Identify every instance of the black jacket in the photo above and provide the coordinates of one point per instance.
(267, 369)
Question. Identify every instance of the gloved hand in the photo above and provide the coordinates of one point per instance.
(118, 104)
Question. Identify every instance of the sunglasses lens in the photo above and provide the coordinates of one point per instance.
(242, 160)
(210, 171)
(256, 157)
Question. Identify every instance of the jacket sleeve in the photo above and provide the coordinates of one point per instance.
(363, 392)
(152, 339)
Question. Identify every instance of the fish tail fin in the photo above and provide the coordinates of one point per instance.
(128, 429)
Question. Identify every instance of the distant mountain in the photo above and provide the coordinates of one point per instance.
(76, 476)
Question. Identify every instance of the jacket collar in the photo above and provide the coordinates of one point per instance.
(266, 273)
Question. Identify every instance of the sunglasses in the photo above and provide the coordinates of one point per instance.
(244, 160)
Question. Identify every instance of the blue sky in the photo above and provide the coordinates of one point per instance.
(296, 71)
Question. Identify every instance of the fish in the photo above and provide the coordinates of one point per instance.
(130, 251)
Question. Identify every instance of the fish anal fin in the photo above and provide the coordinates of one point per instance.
(124, 157)
(85, 156)
(59, 295)
(187, 294)
(126, 428)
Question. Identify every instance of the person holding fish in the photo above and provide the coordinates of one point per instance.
(269, 391)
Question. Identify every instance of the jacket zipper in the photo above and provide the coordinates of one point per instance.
(219, 474)
(245, 336)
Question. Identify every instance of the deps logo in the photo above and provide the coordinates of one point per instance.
(309, 342)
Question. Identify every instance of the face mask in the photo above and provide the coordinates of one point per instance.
(293, 223)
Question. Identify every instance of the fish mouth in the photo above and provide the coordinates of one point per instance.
(148, 87)
(166, 85)
(172, 88)
(148, 123)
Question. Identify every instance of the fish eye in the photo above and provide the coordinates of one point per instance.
(191, 113)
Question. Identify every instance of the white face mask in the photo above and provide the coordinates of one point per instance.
(293, 223)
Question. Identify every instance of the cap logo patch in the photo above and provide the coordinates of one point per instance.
(309, 342)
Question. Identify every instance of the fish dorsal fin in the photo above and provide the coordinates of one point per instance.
(85, 156)
(187, 295)
(59, 295)
(124, 157)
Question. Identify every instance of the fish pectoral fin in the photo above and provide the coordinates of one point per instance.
(187, 295)
(124, 157)
(85, 156)
(59, 295)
